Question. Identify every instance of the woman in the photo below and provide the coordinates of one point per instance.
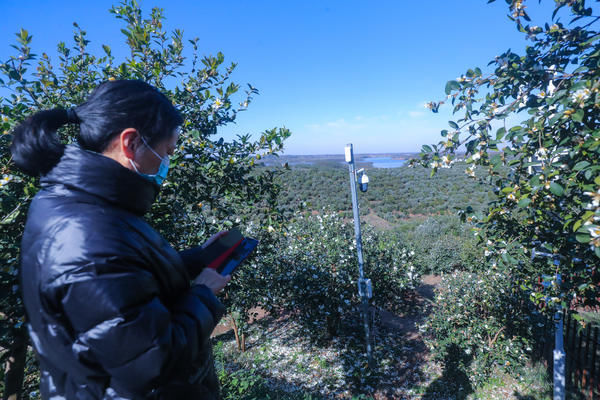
(111, 311)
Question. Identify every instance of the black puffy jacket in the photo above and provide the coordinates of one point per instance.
(111, 311)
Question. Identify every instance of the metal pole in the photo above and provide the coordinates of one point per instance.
(559, 349)
(362, 282)
(559, 355)
(559, 358)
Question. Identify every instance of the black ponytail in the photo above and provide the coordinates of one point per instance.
(112, 107)
(36, 148)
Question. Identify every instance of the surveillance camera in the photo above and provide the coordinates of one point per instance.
(364, 183)
(363, 180)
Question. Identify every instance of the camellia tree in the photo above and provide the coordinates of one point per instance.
(318, 271)
(212, 185)
(546, 169)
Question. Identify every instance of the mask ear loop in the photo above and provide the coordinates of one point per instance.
(133, 165)
(131, 160)
(151, 149)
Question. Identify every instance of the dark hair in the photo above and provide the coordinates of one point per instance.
(112, 107)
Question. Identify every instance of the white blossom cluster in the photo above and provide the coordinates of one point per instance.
(6, 179)
(594, 227)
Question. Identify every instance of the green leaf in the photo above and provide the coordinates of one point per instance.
(500, 133)
(587, 215)
(10, 218)
(577, 116)
(583, 238)
(523, 203)
(426, 149)
(23, 34)
(556, 189)
(496, 159)
(452, 85)
(581, 165)
(453, 124)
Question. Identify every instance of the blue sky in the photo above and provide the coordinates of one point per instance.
(333, 72)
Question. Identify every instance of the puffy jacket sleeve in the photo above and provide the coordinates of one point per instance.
(120, 322)
(194, 260)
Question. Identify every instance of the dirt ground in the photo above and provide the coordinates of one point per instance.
(405, 324)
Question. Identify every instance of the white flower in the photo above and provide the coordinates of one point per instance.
(270, 229)
(595, 243)
(5, 180)
(595, 198)
(581, 95)
(542, 153)
(594, 231)
(470, 171)
(476, 156)
(217, 104)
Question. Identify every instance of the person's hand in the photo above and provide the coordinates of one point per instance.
(214, 238)
(212, 279)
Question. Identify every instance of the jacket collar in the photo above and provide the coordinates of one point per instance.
(103, 177)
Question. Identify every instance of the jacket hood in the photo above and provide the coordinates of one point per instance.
(102, 177)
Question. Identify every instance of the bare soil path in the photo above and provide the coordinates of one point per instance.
(407, 323)
(402, 358)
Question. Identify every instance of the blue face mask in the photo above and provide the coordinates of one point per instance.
(160, 175)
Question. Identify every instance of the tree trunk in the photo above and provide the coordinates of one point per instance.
(333, 324)
(236, 333)
(15, 367)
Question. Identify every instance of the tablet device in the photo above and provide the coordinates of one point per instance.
(237, 257)
(220, 250)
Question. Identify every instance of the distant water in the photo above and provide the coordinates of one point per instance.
(384, 162)
(292, 163)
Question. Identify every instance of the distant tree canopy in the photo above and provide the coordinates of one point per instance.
(550, 200)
